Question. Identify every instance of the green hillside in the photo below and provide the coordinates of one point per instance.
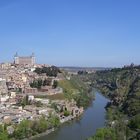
(122, 86)
(76, 89)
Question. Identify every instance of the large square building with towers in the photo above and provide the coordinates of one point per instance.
(24, 60)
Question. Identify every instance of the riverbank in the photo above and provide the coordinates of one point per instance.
(92, 119)
(63, 121)
(40, 135)
(121, 85)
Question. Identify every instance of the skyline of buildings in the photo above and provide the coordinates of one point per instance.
(71, 33)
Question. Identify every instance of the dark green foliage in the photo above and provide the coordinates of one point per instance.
(28, 128)
(40, 83)
(54, 106)
(55, 84)
(38, 104)
(47, 82)
(104, 134)
(82, 72)
(131, 105)
(3, 133)
(53, 121)
(82, 99)
(122, 86)
(42, 125)
(24, 101)
(23, 130)
(4, 136)
(37, 83)
(49, 71)
(66, 113)
(135, 122)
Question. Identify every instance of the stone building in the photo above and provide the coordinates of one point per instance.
(3, 87)
(29, 60)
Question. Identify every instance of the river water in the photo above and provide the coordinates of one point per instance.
(92, 119)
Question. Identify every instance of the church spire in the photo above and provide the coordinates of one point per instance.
(16, 55)
(33, 55)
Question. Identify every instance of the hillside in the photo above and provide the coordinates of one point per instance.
(122, 86)
(76, 89)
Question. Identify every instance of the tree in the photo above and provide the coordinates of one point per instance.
(66, 113)
(23, 130)
(104, 134)
(48, 81)
(25, 101)
(82, 99)
(49, 71)
(135, 122)
(40, 83)
(38, 104)
(45, 82)
(42, 125)
(55, 84)
(3, 136)
(54, 121)
(3, 133)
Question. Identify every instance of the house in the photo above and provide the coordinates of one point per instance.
(7, 119)
(30, 90)
(10, 130)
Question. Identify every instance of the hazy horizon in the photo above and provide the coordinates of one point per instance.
(83, 33)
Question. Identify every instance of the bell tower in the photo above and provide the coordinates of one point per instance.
(33, 58)
(16, 58)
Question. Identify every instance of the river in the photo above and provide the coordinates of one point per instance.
(92, 119)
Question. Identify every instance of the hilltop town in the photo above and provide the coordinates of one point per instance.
(30, 91)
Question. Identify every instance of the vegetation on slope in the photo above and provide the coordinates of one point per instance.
(122, 86)
(49, 71)
(29, 128)
(104, 134)
(76, 89)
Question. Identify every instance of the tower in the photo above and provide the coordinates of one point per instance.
(16, 58)
(33, 58)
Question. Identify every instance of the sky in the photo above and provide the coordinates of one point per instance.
(87, 33)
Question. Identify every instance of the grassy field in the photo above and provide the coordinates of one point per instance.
(74, 84)
(70, 87)
(52, 97)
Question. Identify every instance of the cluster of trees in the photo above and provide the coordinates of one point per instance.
(60, 110)
(82, 99)
(47, 82)
(119, 130)
(49, 71)
(104, 134)
(122, 86)
(3, 133)
(39, 83)
(29, 128)
(55, 84)
(25, 101)
(82, 72)
(135, 122)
